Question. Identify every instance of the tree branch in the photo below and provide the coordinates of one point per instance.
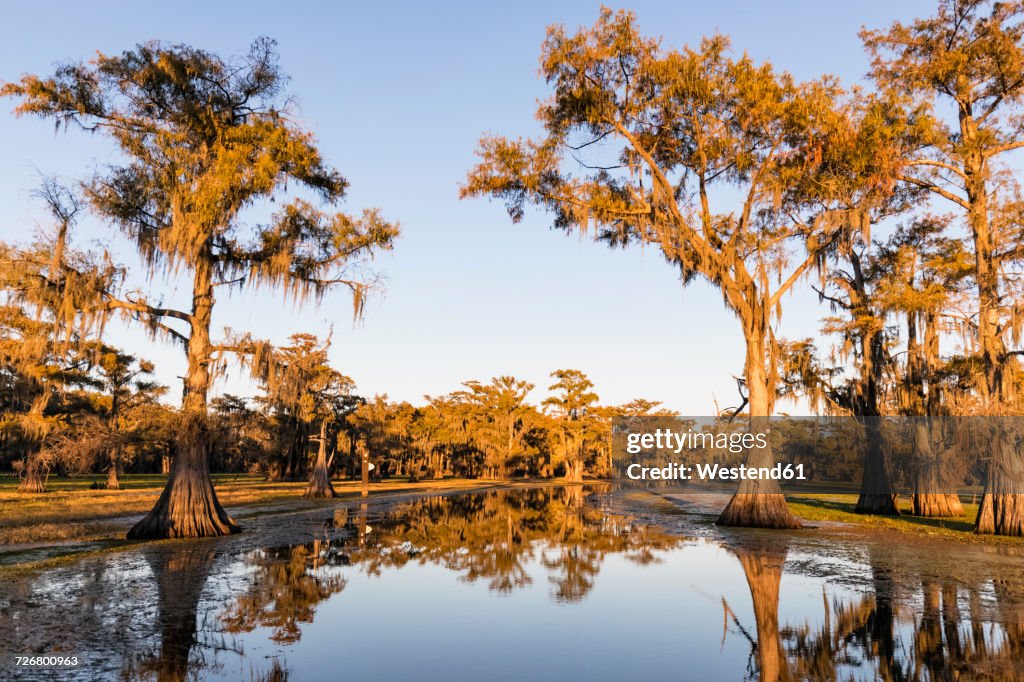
(937, 190)
(795, 276)
(146, 309)
(939, 164)
(1007, 147)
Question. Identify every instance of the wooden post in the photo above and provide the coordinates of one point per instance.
(364, 458)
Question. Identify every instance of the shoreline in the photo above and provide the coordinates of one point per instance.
(823, 515)
(832, 514)
(46, 553)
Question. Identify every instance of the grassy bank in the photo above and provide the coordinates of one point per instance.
(839, 508)
(832, 513)
(71, 511)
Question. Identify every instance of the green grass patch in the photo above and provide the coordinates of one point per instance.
(839, 508)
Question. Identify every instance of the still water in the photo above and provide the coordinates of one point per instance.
(543, 583)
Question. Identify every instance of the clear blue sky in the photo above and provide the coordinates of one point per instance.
(398, 94)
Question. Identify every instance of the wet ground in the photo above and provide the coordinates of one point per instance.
(545, 583)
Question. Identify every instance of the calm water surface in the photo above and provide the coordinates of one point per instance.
(525, 584)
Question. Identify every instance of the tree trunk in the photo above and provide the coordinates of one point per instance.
(115, 453)
(113, 483)
(188, 506)
(1001, 514)
(880, 505)
(573, 471)
(33, 477)
(298, 441)
(275, 469)
(364, 464)
(319, 482)
(1002, 506)
(33, 480)
(758, 503)
(937, 505)
(994, 385)
(876, 492)
(929, 499)
(921, 401)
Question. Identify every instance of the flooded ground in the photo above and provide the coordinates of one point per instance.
(523, 583)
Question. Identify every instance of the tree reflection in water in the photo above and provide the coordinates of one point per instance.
(926, 636)
(493, 536)
(286, 586)
(186, 637)
(488, 537)
(180, 576)
(762, 561)
(917, 617)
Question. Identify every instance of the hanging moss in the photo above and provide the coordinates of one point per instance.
(203, 139)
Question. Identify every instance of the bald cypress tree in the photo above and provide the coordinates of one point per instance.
(125, 381)
(694, 152)
(573, 407)
(202, 139)
(969, 57)
(305, 393)
(48, 331)
(495, 419)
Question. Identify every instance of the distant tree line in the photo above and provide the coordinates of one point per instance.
(308, 423)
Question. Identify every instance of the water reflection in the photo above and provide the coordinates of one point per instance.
(924, 636)
(545, 583)
(495, 537)
(762, 562)
(489, 537)
(180, 578)
(286, 586)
